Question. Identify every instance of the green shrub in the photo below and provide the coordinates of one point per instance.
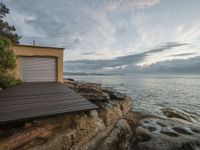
(7, 58)
(7, 61)
(7, 81)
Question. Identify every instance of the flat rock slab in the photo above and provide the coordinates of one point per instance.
(158, 134)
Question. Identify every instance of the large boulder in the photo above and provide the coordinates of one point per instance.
(92, 92)
(158, 134)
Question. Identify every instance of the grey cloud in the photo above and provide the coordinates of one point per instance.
(163, 47)
(76, 41)
(187, 66)
(113, 5)
(183, 54)
(167, 46)
(129, 60)
(87, 53)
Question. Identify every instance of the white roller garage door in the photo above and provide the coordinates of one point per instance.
(37, 69)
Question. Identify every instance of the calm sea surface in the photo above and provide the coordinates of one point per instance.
(151, 92)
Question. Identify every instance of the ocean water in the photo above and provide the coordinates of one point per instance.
(153, 92)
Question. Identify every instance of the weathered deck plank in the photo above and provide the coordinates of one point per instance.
(30, 100)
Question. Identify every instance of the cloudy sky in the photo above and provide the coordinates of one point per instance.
(161, 30)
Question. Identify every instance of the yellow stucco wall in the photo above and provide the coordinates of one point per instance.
(24, 50)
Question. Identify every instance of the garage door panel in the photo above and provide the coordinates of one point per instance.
(38, 69)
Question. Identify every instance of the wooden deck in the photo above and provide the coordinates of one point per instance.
(40, 99)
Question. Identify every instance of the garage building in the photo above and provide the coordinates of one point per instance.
(39, 64)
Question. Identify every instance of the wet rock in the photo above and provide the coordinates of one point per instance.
(183, 130)
(159, 134)
(175, 113)
(70, 79)
(114, 94)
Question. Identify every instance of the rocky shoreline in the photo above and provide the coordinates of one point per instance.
(114, 126)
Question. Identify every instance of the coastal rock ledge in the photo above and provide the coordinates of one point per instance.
(114, 126)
